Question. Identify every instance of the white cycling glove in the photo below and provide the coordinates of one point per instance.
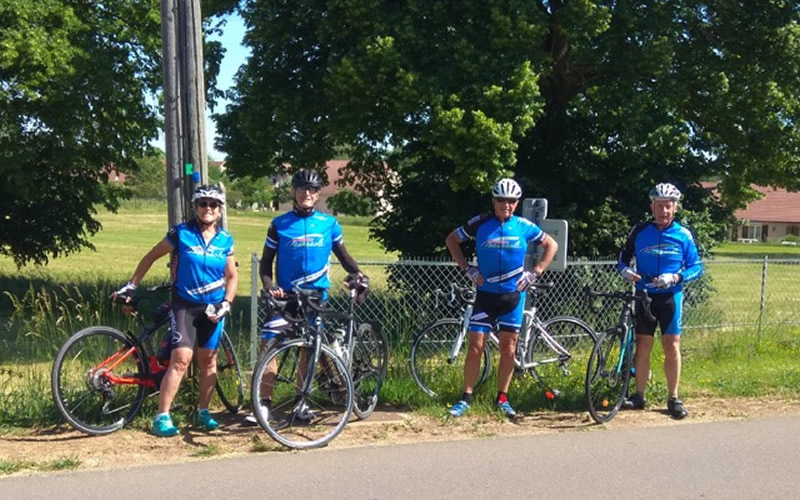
(126, 291)
(215, 312)
(474, 275)
(527, 279)
(629, 274)
(667, 280)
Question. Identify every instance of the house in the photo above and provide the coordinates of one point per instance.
(771, 218)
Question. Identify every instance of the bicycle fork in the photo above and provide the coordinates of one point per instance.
(454, 350)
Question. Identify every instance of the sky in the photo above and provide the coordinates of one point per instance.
(235, 56)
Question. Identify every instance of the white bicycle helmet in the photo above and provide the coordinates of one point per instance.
(665, 191)
(211, 192)
(507, 188)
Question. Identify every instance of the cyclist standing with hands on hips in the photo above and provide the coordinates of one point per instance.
(501, 242)
(666, 258)
(298, 245)
(204, 282)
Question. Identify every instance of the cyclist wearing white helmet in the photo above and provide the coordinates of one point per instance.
(666, 258)
(501, 242)
(203, 274)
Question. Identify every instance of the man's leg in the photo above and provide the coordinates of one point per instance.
(472, 365)
(505, 370)
(644, 346)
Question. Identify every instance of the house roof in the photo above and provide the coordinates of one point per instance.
(777, 205)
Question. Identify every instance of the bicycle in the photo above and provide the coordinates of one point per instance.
(101, 376)
(549, 350)
(302, 392)
(364, 348)
(610, 365)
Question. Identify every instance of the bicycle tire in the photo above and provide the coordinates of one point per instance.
(330, 399)
(430, 351)
(229, 385)
(563, 376)
(608, 376)
(370, 362)
(85, 397)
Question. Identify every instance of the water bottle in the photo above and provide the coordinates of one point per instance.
(338, 340)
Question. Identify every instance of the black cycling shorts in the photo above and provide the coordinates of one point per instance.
(501, 309)
(191, 326)
(667, 308)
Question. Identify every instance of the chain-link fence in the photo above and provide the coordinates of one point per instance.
(732, 293)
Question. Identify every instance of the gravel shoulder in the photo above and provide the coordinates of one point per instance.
(386, 427)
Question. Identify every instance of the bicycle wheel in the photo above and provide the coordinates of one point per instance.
(295, 419)
(83, 385)
(431, 367)
(370, 361)
(561, 375)
(230, 387)
(607, 376)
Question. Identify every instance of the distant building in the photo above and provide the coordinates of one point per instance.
(771, 218)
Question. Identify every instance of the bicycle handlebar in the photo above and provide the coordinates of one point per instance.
(133, 300)
(628, 297)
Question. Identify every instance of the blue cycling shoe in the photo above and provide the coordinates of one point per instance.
(163, 426)
(205, 419)
(507, 410)
(458, 409)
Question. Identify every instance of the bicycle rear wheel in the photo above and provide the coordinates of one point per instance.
(561, 375)
(82, 380)
(295, 419)
(431, 366)
(370, 361)
(230, 386)
(607, 376)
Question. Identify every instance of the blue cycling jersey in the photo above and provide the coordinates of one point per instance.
(657, 251)
(198, 268)
(303, 245)
(501, 248)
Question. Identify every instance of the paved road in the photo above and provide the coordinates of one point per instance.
(730, 460)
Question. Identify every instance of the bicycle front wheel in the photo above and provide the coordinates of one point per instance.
(94, 380)
(558, 374)
(370, 361)
(230, 386)
(607, 376)
(433, 369)
(293, 417)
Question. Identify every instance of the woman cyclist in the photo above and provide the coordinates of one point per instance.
(204, 284)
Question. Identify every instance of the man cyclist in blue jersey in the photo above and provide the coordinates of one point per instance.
(501, 242)
(298, 245)
(666, 258)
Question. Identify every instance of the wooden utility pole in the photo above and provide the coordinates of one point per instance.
(184, 104)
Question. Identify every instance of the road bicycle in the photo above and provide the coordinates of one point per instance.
(553, 351)
(101, 375)
(610, 365)
(364, 349)
(302, 391)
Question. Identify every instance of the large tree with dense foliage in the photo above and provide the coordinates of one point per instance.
(587, 103)
(78, 83)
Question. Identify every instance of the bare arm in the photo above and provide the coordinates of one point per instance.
(550, 248)
(453, 243)
(161, 249)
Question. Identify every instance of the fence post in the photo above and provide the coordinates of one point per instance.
(254, 326)
(763, 302)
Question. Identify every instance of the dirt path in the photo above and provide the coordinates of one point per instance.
(134, 447)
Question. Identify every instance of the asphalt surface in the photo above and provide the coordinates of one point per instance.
(730, 460)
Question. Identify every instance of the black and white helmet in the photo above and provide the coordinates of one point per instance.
(507, 188)
(306, 178)
(209, 192)
(665, 191)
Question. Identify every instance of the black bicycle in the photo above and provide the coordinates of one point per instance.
(611, 362)
(302, 392)
(101, 375)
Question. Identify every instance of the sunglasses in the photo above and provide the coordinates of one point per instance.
(308, 188)
(510, 201)
(207, 204)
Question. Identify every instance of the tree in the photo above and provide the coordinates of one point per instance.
(587, 103)
(349, 203)
(149, 180)
(75, 78)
